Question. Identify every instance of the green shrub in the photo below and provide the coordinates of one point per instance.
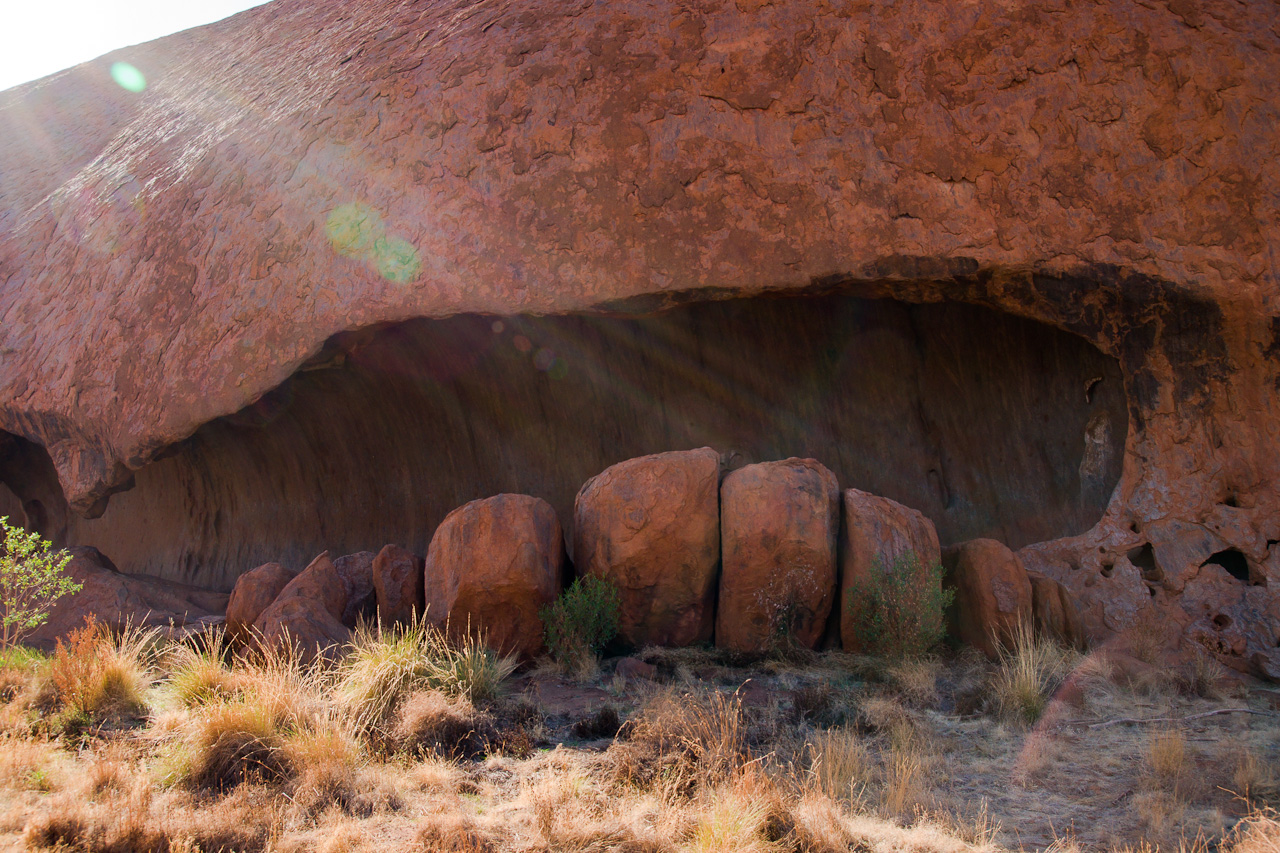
(31, 580)
(581, 623)
(898, 610)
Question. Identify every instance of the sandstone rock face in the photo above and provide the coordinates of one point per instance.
(303, 170)
(778, 527)
(397, 582)
(492, 565)
(356, 571)
(993, 594)
(876, 533)
(253, 593)
(308, 611)
(1054, 612)
(116, 599)
(651, 526)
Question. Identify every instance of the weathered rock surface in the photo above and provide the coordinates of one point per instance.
(1054, 613)
(356, 571)
(651, 526)
(492, 565)
(778, 527)
(876, 533)
(116, 599)
(992, 594)
(397, 583)
(301, 170)
(308, 611)
(253, 593)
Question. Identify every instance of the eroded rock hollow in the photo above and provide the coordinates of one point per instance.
(992, 425)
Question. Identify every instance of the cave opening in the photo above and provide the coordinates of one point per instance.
(1143, 558)
(989, 424)
(1234, 561)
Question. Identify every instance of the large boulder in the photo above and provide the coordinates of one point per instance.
(307, 613)
(492, 564)
(397, 584)
(253, 593)
(117, 600)
(778, 526)
(992, 594)
(651, 526)
(1054, 612)
(356, 571)
(877, 535)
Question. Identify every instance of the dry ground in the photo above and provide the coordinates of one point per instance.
(123, 744)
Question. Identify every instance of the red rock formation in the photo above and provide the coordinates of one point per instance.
(253, 593)
(1054, 613)
(356, 571)
(302, 170)
(119, 600)
(397, 582)
(992, 594)
(877, 532)
(651, 526)
(778, 526)
(308, 611)
(492, 565)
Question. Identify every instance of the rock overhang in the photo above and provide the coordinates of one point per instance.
(297, 171)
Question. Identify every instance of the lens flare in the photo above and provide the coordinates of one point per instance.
(128, 77)
(357, 231)
(396, 260)
(353, 229)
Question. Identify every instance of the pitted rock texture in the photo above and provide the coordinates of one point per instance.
(876, 533)
(651, 526)
(992, 594)
(778, 527)
(492, 565)
(303, 169)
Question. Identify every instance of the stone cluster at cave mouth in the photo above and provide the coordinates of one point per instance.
(740, 558)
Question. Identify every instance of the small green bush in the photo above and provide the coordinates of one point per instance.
(581, 623)
(898, 610)
(31, 580)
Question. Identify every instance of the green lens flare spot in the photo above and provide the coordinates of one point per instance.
(353, 229)
(128, 77)
(396, 259)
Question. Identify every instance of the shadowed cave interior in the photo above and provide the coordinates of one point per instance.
(990, 424)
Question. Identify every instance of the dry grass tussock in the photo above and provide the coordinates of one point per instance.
(386, 666)
(98, 677)
(1031, 670)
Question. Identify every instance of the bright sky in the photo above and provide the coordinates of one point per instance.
(39, 37)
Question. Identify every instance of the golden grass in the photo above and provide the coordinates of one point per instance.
(840, 764)
(271, 754)
(1031, 669)
(385, 666)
